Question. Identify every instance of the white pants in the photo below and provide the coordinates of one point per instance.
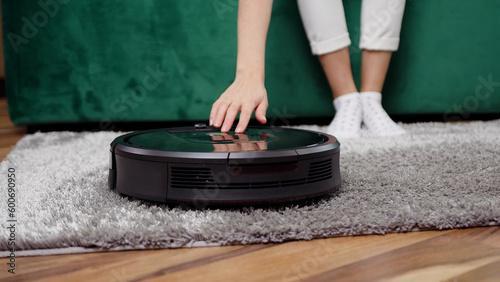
(324, 22)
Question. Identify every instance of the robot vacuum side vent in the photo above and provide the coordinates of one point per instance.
(320, 171)
(194, 178)
(203, 178)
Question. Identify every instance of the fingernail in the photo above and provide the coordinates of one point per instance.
(210, 122)
(216, 124)
(238, 130)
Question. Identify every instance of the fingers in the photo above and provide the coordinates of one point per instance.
(213, 112)
(231, 114)
(225, 115)
(260, 112)
(245, 115)
(220, 113)
(238, 97)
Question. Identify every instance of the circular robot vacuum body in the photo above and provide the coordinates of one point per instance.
(201, 166)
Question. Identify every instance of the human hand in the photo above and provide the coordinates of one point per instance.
(244, 94)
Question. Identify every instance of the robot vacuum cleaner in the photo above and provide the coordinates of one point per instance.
(201, 166)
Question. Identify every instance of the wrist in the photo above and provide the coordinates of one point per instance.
(255, 74)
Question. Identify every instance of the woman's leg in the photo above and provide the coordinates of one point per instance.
(380, 27)
(324, 22)
(337, 68)
(374, 66)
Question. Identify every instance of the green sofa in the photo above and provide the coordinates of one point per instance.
(165, 60)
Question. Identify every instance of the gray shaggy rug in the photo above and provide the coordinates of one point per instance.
(438, 176)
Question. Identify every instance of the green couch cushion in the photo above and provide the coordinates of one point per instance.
(91, 61)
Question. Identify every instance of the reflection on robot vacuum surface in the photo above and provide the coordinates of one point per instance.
(226, 142)
(254, 139)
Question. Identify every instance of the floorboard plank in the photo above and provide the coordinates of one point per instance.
(298, 260)
(437, 258)
(485, 273)
(112, 265)
(485, 236)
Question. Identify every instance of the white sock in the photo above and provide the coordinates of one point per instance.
(347, 120)
(375, 118)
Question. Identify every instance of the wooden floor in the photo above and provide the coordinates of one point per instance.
(452, 255)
